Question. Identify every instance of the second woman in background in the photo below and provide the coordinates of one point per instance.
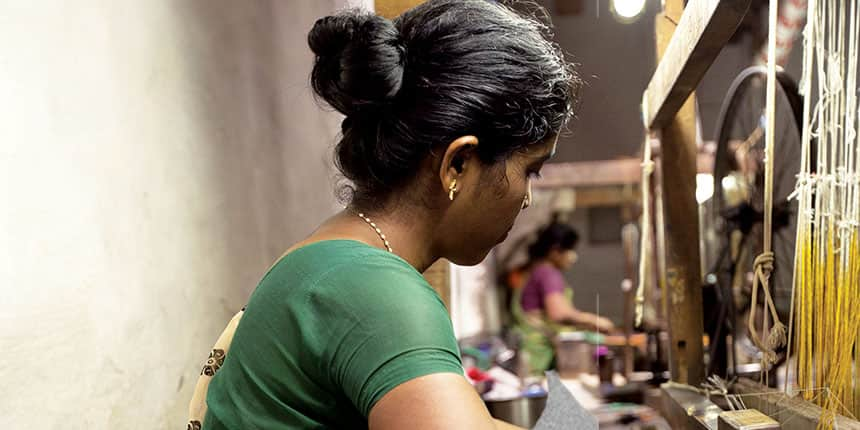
(545, 303)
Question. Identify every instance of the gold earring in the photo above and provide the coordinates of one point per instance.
(526, 201)
(452, 189)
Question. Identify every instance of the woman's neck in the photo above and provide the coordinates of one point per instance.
(409, 238)
(545, 262)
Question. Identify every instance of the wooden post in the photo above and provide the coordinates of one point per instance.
(393, 8)
(628, 244)
(684, 284)
(703, 28)
(439, 274)
(439, 277)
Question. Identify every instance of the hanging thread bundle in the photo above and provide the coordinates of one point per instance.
(763, 264)
(826, 287)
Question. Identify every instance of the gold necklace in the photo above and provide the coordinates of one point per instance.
(377, 230)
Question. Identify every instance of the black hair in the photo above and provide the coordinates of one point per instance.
(442, 70)
(554, 236)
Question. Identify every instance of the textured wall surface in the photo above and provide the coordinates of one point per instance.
(155, 158)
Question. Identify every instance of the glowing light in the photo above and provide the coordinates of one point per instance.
(628, 10)
(704, 187)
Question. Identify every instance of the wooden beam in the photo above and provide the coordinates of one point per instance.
(623, 171)
(590, 173)
(677, 166)
(793, 413)
(703, 30)
(604, 196)
(687, 409)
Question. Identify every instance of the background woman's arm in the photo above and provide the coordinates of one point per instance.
(560, 310)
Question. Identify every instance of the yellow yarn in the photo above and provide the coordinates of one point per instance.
(826, 290)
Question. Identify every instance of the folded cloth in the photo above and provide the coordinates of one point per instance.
(562, 411)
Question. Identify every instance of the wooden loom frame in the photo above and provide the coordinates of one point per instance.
(688, 41)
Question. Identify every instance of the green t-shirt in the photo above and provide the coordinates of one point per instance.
(330, 329)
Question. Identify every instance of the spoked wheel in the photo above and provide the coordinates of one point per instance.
(737, 208)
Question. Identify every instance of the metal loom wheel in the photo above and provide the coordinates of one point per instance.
(737, 207)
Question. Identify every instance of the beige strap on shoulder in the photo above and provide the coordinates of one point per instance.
(197, 408)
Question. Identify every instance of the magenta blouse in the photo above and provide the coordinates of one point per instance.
(544, 280)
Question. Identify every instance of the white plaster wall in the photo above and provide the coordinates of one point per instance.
(474, 307)
(155, 157)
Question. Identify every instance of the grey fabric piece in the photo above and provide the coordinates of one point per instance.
(562, 411)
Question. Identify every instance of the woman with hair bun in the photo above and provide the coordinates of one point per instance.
(450, 109)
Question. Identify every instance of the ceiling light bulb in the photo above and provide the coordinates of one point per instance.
(628, 9)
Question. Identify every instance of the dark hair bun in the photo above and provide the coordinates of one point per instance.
(359, 61)
(554, 236)
(441, 70)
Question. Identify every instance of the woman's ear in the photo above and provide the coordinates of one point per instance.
(456, 159)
